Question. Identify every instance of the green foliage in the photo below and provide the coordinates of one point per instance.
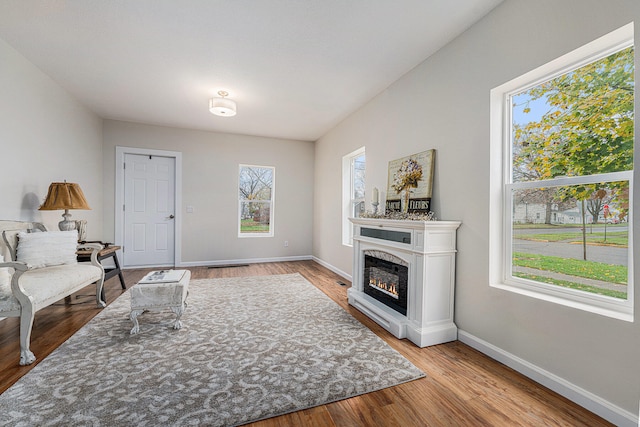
(588, 128)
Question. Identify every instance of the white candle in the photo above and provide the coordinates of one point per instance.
(375, 195)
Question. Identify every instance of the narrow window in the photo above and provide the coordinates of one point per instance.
(353, 185)
(255, 201)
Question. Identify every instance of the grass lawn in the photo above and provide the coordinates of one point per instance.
(573, 267)
(250, 226)
(614, 238)
(555, 226)
(573, 285)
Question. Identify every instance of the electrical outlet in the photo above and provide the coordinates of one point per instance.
(189, 209)
(286, 243)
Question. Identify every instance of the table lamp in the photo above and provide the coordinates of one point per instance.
(65, 195)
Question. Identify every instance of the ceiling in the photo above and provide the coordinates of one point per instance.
(296, 68)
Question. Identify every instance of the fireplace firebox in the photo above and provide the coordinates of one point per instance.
(385, 279)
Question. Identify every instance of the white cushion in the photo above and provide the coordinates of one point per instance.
(46, 249)
(49, 284)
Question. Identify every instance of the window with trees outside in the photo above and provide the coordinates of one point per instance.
(255, 201)
(564, 135)
(353, 185)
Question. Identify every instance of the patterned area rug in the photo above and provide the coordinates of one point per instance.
(250, 348)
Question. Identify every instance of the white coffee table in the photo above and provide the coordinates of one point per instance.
(158, 291)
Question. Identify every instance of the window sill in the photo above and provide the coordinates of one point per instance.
(603, 306)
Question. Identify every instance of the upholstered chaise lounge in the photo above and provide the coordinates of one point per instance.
(26, 288)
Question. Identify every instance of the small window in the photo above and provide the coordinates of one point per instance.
(353, 185)
(563, 146)
(255, 201)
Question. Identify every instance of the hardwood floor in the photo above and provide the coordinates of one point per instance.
(462, 388)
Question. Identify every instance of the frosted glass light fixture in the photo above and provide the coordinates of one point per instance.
(222, 106)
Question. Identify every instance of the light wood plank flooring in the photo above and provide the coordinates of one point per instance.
(462, 388)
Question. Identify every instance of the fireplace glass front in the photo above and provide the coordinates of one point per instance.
(386, 281)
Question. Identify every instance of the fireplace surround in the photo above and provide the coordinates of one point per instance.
(404, 275)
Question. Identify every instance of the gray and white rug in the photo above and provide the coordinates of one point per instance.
(250, 348)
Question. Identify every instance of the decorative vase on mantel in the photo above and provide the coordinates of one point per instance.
(404, 199)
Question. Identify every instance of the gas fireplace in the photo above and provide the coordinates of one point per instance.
(385, 279)
(403, 277)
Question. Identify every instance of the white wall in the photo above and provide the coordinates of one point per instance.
(210, 184)
(444, 104)
(45, 136)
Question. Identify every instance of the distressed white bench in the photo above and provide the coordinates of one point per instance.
(32, 289)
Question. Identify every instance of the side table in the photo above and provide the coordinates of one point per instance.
(108, 252)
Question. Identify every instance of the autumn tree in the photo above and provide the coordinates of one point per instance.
(587, 129)
(595, 203)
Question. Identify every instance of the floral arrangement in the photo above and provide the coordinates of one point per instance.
(413, 216)
(407, 176)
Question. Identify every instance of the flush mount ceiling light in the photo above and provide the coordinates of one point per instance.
(222, 106)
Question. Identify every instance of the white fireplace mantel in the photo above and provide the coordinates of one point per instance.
(429, 248)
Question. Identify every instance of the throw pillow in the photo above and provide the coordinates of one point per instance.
(10, 238)
(48, 248)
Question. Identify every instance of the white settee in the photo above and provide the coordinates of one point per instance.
(27, 289)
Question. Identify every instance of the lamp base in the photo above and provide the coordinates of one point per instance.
(66, 224)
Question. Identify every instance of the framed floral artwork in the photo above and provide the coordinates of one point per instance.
(410, 183)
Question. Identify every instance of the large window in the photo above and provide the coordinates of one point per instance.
(353, 183)
(563, 136)
(255, 201)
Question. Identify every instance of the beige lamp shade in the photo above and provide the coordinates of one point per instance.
(65, 195)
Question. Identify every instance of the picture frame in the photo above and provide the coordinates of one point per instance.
(410, 183)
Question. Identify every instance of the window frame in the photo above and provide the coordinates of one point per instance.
(271, 202)
(501, 184)
(348, 201)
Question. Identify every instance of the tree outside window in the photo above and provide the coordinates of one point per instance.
(567, 143)
(353, 191)
(256, 187)
(358, 184)
(576, 127)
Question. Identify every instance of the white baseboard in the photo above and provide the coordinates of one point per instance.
(242, 261)
(332, 268)
(582, 397)
(245, 261)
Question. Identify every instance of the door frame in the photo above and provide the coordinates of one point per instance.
(119, 198)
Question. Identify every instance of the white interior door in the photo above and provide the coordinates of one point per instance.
(149, 210)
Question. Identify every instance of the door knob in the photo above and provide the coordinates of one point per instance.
(171, 216)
